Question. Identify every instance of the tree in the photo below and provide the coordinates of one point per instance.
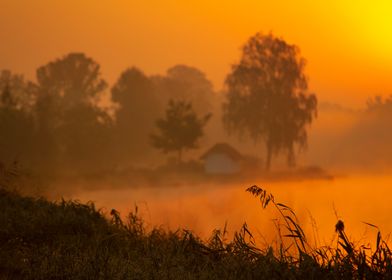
(16, 121)
(85, 138)
(187, 83)
(67, 111)
(138, 108)
(16, 91)
(180, 130)
(75, 78)
(267, 96)
(71, 80)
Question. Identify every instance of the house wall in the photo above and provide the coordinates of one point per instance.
(220, 164)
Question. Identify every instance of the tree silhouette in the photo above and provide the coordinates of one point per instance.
(71, 80)
(187, 83)
(16, 91)
(7, 100)
(180, 130)
(69, 118)
(137, 111)
(267, 96)
(75, 78)
(16, 121)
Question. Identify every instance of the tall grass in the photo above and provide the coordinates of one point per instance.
(40, 239)
(346, 259)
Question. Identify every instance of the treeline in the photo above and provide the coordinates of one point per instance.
(70, 119)
(367, 144)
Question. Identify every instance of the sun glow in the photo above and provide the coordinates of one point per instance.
(372, 22)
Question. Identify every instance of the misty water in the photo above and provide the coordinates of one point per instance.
(203, 208)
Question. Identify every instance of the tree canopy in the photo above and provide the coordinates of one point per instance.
(187, 83)
(267, 96)
(137, 109)
(180, 129)
(70, 122)
(16, 91)
(16, 121)
(75, 77)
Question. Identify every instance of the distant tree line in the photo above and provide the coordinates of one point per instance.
(63, 121)
(70, 119)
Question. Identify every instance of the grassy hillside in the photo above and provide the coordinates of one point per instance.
(40, 239)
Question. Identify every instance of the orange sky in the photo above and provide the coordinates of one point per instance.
(348, 44)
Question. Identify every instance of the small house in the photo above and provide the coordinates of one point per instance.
(222, 159)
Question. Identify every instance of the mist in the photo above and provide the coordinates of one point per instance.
(69, 133)
(195, 139)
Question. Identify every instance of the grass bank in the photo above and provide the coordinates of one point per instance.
(40, 239)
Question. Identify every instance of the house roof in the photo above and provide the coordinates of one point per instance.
(223, 148)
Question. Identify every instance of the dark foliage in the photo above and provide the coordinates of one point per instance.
(267, 96)
(69, 240)
(180, 129)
